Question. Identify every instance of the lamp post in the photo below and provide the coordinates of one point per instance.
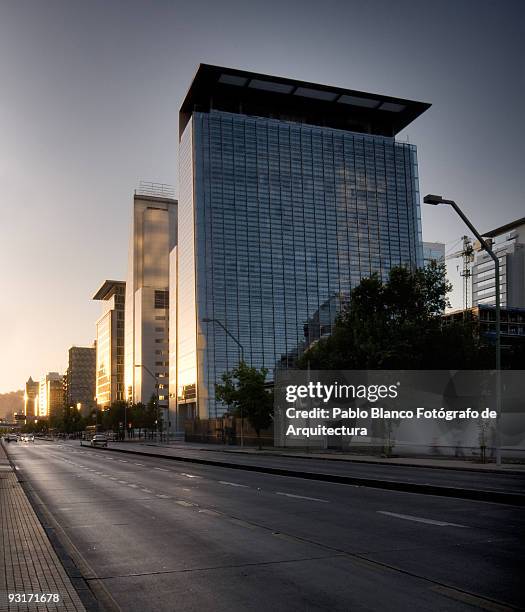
(241, 350)
(141, 365)
(435, 200)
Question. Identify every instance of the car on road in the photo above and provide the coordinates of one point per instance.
(99, 440)
(27, 438)
(11, 437)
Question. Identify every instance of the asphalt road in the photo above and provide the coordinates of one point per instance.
(163, 535)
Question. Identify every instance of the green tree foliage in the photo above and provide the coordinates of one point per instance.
(397, 324)
(243, 391)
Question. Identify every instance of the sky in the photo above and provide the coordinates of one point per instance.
(89, 99)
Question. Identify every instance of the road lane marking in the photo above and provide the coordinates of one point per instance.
(139, 464)
(478, 602)
(324, 501)
(233, 484)
(133, 485)
(112, 478)
(186, 504)
(123, 481)
(161, 469)
(189, 475)
(146, 490)
(419, 519)
(123, 461)
(162, 496)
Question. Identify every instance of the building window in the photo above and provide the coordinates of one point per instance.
(161, 299)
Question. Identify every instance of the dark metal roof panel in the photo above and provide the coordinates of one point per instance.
(250, 93)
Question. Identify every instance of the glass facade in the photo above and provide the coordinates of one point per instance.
(278, 221)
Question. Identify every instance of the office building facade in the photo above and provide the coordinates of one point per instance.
(146, 340)
(51, 395)
(433, 252)
(109, 369)
(508, 243)
(79, 379)
(31, 394)
(290, 193)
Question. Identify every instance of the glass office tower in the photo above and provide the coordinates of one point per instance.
(290, 193)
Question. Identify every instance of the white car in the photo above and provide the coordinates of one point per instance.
(27, 438)
(99, 440)
(11, 437)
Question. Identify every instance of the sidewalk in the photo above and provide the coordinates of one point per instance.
(427, 462)
(28, 562)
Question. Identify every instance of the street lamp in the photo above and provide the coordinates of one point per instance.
(241, 349)
(141, 365)
(435, 200)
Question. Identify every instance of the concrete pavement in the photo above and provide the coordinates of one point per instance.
(163, 535)
(31, 574)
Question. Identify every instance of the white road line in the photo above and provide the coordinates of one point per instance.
(112, 478)
(123, 461)
(123, 481)
(324, 501)
(163, 496)
(147, 490)
(418, 519)
(139, 464)
(189, 475)
(233, 484)
(161, 469)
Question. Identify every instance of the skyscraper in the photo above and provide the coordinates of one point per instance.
(110, 343)
(79, 380)
(31, 398)
(290, 193)
(146, 346)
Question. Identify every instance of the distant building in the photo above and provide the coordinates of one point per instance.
(110, 343)
(79, 380)
(31, 398)
(146, 346)
(433, 252)
(51, 395)
(512, 323)
(508, 243)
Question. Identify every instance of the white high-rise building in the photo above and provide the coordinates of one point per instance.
(146, 346)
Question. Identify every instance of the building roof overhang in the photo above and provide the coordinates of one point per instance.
(251, 93)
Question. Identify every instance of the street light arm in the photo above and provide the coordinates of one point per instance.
(479, 237)
(140, 365)
(227, 331)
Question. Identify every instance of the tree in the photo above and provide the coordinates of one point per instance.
(244, 390)
(398, 324)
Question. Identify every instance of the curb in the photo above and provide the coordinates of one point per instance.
(468, 468)
(515, 499)
(94, 600)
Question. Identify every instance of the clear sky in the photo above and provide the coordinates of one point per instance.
(89, 95)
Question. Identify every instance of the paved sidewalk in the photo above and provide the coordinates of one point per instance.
(28, 562)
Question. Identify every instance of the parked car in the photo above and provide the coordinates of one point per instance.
(99, 440)
(27, 438)
(11, 437)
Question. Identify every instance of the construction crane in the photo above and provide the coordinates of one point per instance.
(467, 254)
